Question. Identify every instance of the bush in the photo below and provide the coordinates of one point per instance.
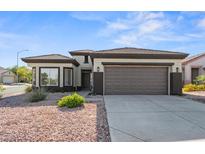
(74, 100)
(193, 87)
(200, 79)
(37, 95)
(28, 89)
(1, 90)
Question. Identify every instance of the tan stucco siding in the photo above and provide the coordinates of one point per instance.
(60, 65)
(199, 63)
(177, 62)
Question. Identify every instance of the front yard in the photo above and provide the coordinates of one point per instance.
(44, 121)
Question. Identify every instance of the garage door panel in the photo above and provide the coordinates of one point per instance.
(8, 79)
(136, 80)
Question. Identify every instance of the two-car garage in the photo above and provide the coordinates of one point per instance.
(135, 71)
(135, 80)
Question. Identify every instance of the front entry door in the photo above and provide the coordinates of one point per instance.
(194, 74)
(86, 80)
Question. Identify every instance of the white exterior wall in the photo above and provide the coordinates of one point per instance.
(60, 65)
(82, 66)
(198, 63)
(177, 62)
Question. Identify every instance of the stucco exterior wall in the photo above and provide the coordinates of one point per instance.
(7, 74)
(60, 65)
(82, 66)
(177, 62)
(198, 63)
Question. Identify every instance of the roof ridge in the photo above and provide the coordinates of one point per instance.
(81, 50)
(141, 49)
(48, 55)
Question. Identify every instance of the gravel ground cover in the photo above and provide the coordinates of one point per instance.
(44, 121)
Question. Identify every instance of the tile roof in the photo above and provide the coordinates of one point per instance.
(192, 58)
(50, 58)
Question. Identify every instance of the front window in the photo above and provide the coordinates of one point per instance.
(86, 59)
(49, 76)
(67, 77)
(34, 76)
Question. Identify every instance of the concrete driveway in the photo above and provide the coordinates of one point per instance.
(154, 118)
(12, 90)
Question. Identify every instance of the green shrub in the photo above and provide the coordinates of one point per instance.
(28, 89)
(193, 87)
(200, 79)
(74, 100)
(37, 95)
(1, 90)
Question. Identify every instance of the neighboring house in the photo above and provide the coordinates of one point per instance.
(6, 76)
(114, 71)
(193, 66)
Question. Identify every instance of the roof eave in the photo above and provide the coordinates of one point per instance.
(50, 61)
(139, 56)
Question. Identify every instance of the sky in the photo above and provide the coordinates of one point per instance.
(60, 32)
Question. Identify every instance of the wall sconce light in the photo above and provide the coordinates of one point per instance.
(177, 69)
(98, 69)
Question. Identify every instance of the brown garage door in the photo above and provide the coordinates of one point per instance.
(136, 80)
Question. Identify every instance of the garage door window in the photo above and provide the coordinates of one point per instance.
(49, 76)
(34, 76)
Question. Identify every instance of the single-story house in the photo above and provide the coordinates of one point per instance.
(6, 76)
(192, 67)
(110, 72)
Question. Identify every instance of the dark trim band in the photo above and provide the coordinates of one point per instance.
(134, 63)
(138, 56)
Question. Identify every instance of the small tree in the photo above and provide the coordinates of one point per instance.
(13, 69)
(25, 74)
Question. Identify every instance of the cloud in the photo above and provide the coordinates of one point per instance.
(142, 28)
(127, 39)
(151, 26)
(201, 23)
(118, 26)
(88, 16)
(135, 26)
(11, 41)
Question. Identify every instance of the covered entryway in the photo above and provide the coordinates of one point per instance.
(85, 74)
(135, 80)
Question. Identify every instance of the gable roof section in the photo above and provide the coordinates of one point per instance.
(51, 58)
(192, 58)
(138, 53)
(3, 71)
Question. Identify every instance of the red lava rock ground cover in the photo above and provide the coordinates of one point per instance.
(21, 120)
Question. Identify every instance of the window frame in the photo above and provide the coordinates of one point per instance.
(58, 68)
(33, 68)
(70, 68)
(86, 59)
